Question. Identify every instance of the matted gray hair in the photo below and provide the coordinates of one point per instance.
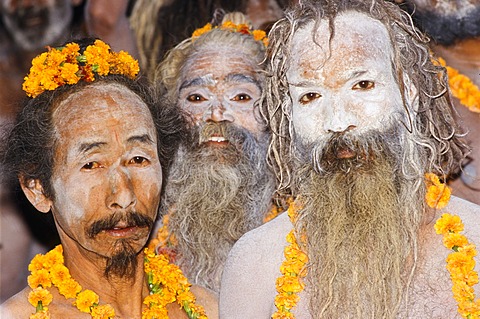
(429, 120)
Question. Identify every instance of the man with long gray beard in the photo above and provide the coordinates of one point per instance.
(360, 122)
(219, 186)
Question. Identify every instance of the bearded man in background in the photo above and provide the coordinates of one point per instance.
(219, 186)
(358, 119)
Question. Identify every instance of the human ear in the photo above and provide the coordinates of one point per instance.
(33, 190)
(411, 93)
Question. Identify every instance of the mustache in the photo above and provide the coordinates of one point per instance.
(131, 219)
(232, 133)
(350, 152)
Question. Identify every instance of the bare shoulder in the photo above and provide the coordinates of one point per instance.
(207, 299)
(17, 306)
(469, 213)
(268, 237)
(248, 282)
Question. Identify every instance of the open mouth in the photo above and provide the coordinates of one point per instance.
(345, 153)
(216, 141)
(123, 230)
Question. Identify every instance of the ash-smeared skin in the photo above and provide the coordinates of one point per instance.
(104, 165)
(352, 89)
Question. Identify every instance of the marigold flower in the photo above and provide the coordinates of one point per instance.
(200, 31)
(461, 261)
(469, 250)
(438, 196)
(41, 315)
(469, 277)
(59, 273)
(65, 65)
(39, 278)
(258, 35)
(69, 288)
(86, 300)
(38, 295)
(36, 263)
(103, 312)
(157, 312)
(463, 88)
(448, 223)
(452, 240)
(461, 292)
(53, 257)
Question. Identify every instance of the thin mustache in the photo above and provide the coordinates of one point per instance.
(132, 219)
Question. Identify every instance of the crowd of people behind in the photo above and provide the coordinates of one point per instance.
(260, 159)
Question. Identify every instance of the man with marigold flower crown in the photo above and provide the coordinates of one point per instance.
(219, 186)
(91, 145)
(362, 137)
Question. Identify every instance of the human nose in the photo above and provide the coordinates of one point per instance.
(339, 119)
(218, 112)
(121, 194)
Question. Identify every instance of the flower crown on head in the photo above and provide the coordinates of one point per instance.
(66, 65)
(258, 35)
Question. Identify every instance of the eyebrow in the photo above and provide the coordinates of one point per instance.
(198, 81)
(208, 80)
(242, 78)
(144, 139)
(349, 76)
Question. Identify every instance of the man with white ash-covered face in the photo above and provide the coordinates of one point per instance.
(219, 186)
(91, 146)
(359, 128)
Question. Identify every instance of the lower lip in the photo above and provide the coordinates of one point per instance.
(345, 154)
(217, 144)
(122, 232)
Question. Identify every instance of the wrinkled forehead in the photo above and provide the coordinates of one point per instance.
(356, 39)
(219, 59)
(102, 100)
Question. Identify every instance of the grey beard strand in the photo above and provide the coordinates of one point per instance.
(214, 204)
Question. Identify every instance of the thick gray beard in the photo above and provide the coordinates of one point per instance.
(361, 221)
(217, 196)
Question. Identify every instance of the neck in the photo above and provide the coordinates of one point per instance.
(463, 56)
(87, 268)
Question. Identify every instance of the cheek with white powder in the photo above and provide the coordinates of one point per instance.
(347, 84)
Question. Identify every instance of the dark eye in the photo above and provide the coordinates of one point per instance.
(309, 97)
(91, 165)
(364, 85)
(241, 97)
(195, 98)
(139, 160)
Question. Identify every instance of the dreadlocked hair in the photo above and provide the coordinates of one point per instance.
(422, 81)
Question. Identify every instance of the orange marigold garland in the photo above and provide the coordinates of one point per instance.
(66, 65)
(166, 283)
(460, 263)
(438, 193)
(293, 270)
(463, 88)
(258, 35)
